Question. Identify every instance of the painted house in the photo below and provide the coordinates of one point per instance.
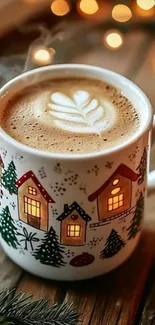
(115, 195)
(33, 201)
(73, 225)
(1, 167)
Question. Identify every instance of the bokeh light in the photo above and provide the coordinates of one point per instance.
(113, 39)
(121, 13)
(60, 7)
(89, 7)
(43, 55)
(146, 4)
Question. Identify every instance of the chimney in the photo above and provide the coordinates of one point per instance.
(65, 207)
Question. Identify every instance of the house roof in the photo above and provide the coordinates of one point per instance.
(70, 209)
(30, 174)
(1, 162)
(122, 170)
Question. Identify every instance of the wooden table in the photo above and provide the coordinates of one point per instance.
(127, 295)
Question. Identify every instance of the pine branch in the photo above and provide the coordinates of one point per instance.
(21, 310)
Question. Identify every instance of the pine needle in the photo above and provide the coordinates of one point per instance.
(22, 310)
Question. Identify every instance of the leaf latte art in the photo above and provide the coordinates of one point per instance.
(79, 113)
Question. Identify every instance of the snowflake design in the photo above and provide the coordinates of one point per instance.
(54, 212)
(19, 224)
(93, 209)
(42, 173)
(69, 253)
(21, 251)
(58, 188)
(109, 164)
(69, 172)
(3, 151)
(82, 188)
(13, 205)
(95, 170)
(72, 179)
(57, 169)
(94, 242)
(133, 155)
(18, 157)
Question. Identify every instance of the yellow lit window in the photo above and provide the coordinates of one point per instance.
(116, 181)
(73, 230)
(115, 190)
(32, 207)
(115, 202)
(32, 190)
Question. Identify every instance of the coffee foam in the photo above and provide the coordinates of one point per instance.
(71, 116)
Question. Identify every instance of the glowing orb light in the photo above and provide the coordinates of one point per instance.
(121, 13)
(113, 39)
(89, 7)
(146, 4)
(43, 55)
(60, 7)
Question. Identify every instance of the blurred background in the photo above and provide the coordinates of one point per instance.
(118, 35)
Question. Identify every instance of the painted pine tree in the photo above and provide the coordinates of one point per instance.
(9, 178)
(142, 167)
(135, 225)
(50, 252)
(8, 230)
(114, 244)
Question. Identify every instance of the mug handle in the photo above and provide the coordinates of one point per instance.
(151, 176)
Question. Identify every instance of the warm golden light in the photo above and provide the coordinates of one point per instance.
(115, 190)
(121, 13)
(89, 7)
(113, 39)
(43, 55)
(146, 4)
(60, 7)
(116, 181)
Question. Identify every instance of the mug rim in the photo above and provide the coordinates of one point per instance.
(63, 156)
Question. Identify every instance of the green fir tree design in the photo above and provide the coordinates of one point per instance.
(135, 225)
(114, 244)
(8, 230)
(142, 167)
(50, 251)
(9, 178)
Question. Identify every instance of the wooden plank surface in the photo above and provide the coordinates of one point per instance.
(114, 298)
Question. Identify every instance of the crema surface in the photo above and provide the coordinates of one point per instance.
(73, 115)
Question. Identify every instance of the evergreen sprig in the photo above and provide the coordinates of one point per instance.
(22, 310)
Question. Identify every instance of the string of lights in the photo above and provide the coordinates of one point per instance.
(121, 12)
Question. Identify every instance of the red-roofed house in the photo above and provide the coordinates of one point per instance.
(1, 167)
(115, 195)
(33, 201)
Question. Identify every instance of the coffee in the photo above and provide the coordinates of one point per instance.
(74, 115)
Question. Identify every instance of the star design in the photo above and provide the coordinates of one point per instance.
(109, 164)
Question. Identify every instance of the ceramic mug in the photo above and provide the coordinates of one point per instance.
(73, 217)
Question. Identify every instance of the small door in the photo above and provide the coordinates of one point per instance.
(33, 210)
(33, 221)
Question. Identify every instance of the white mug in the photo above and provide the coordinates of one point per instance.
(73, 217)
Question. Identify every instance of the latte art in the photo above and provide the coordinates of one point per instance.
(80, 113)
(73, 115)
